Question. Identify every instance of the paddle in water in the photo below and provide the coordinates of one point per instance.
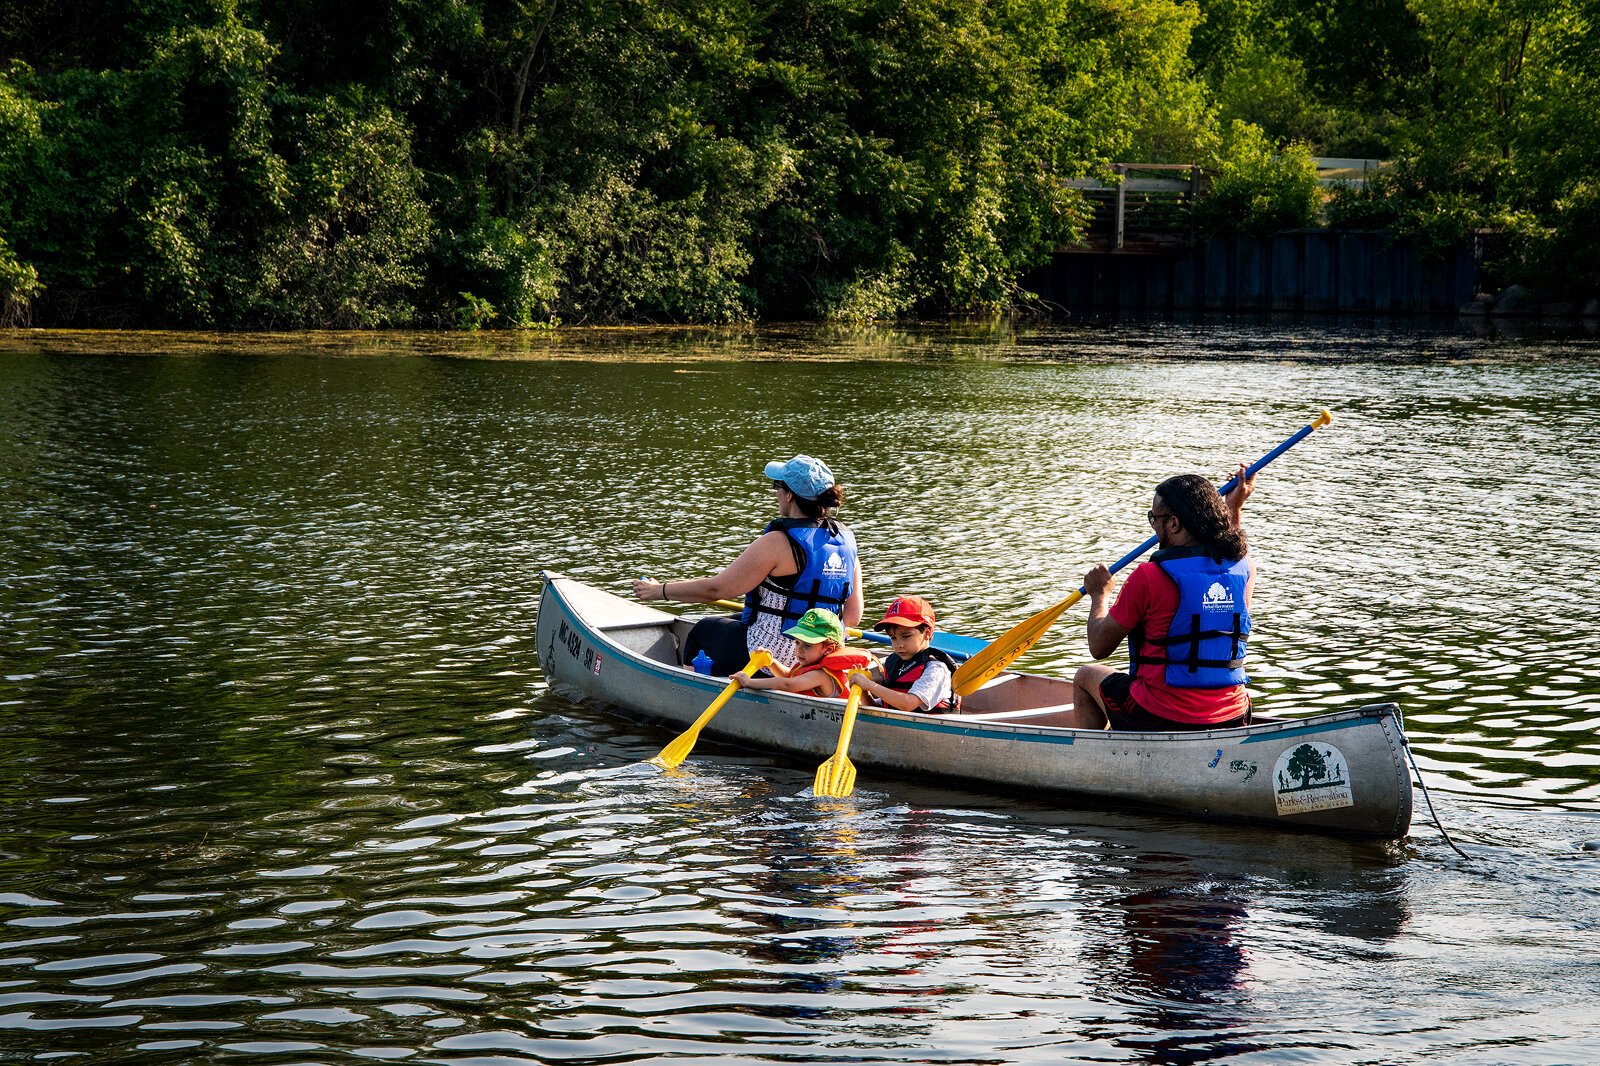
(976, 671)
(678, 750)
(837, 777)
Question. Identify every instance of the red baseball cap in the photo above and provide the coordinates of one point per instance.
(908, 611)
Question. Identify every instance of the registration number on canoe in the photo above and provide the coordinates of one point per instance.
(572, 640)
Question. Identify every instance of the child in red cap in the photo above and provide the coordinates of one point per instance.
(916, 675)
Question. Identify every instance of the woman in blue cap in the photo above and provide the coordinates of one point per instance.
(803, 559)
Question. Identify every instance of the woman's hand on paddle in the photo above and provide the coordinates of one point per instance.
(646, 590)
(1244, 485)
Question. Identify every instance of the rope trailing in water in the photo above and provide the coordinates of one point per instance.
(1424, 786)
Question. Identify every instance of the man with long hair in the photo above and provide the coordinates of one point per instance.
(1185, 614)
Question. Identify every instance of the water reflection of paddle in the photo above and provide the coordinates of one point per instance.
(809, 866)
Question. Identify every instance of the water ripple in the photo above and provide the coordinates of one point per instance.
(282, 778)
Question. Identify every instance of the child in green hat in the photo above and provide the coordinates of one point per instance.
(822, 663)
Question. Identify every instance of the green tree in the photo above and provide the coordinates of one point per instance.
(289, 162)
(1258, 188)
(348, 247)
(1339, 75)
(1508, 136)
(934, 139)
(1306, 763)
(154, 180)
(21, 141)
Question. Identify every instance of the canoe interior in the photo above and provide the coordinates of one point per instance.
(1017, 698)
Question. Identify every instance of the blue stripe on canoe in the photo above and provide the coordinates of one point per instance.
(677, 677)
(972, 731)
(1284, 734)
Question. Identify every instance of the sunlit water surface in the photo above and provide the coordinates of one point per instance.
(280, 780)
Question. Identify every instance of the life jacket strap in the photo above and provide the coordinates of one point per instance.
(790, 612)
(901, 674)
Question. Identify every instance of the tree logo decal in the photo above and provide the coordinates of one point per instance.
(1312, 777)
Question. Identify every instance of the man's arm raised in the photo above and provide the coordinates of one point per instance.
(1105, 633)
(1239, 493)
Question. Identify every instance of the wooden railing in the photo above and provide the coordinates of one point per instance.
(1144, 201)
(1149, 207)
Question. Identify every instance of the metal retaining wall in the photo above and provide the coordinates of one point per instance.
(1303, 270)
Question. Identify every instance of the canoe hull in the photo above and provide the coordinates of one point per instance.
(1342, 772)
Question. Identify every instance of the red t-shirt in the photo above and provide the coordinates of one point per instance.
(1150, 597)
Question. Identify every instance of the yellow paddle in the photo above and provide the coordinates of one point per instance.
(976, 671)
(837, 777)
(678, 750)
(1002, 652)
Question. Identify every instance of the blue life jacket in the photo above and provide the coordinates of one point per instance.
(825, 553)
(1206, 643)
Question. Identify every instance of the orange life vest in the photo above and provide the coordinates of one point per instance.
(841, 664)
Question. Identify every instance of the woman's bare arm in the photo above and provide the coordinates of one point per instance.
(768, 556)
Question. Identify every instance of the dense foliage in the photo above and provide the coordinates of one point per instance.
(1485, 107)
(282, 163)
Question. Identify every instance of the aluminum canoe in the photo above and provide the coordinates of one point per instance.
(1341, 772)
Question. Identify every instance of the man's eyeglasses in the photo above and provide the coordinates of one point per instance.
(1156, 516)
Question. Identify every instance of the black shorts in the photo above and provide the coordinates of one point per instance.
(1126, 713)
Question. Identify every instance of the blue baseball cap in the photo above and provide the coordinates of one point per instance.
(806, 477)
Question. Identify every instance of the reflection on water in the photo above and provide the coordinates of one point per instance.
(1182, 957)
(281, 777)
(1180, 943)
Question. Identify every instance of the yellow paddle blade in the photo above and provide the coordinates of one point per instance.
(837, 777)
(1004, 650)
(679, 749)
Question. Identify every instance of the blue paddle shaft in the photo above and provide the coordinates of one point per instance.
(1294, 438)
(963, 648)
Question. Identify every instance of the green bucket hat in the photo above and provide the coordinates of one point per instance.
(816, 626)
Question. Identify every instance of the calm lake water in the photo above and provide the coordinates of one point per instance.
(280, 780)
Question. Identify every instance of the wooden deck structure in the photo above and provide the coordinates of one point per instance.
(1142, 253)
